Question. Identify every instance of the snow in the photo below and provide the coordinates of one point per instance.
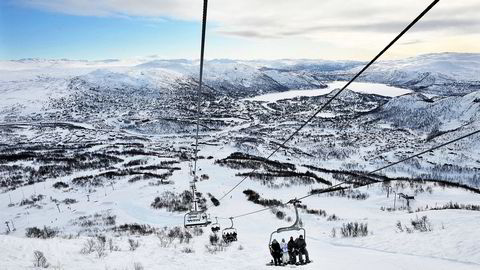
(451, 245)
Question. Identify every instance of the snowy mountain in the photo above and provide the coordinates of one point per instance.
(96, 159)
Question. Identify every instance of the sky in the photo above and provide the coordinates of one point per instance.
(246, 29)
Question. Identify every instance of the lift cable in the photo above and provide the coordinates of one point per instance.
(339, 92)
(326, 190)
(199, 91)
(369, 174)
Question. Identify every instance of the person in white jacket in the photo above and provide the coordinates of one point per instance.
(284, 247)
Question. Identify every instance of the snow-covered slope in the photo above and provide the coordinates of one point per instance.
(416, 111)
(100, 141)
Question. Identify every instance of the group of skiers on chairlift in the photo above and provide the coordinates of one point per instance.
(230, 237)
(286, 253)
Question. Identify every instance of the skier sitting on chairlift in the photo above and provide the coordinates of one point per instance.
(276, 252)
(292, 246)
(284, 247)
(302, 249)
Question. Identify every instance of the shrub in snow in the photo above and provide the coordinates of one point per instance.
(100, 246)
(60, 184)
(111, 246)
(350, 194)
(136, 162)
(333, 234)
(197, 231)
(88, 246)
(214, 239)
(399, 226)
(168, 236)
(333, 217)
(39, 259)
(137, 266)
(451, 205)
(33, 199)
(418, 224)
(354, 229)
(188, 250)
(164, 240)
(97, 245)
(101, 220)
(421, 224)
(135, 229)
(46, 232)
(69, 201)
(256, 199)
(133, 244)
(217, 247)
(177, 202)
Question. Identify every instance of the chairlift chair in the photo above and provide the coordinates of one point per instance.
(196, 218)
(295, 227)
(229, 234)
(215, 226)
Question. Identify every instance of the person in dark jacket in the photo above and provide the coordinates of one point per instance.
(292, 248)
(276, 252)
(302, 249)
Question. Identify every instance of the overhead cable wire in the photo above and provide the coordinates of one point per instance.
(199, 92)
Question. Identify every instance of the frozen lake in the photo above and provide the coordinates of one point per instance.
(371, 88)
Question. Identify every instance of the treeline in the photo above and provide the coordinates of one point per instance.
(239, 160)
(256, 199)
(182, 202)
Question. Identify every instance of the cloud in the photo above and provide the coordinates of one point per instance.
(360, 22)
(282, 18)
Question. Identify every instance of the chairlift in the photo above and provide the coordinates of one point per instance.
(229, 234)
(196, 218)
(295, 227)
(215, 226)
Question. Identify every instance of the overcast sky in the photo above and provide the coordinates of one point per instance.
(238, 29)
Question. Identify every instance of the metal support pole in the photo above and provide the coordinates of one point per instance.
(394, 200)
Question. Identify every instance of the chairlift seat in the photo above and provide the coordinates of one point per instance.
(229, 235)
(215, 226)
(196, 219)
